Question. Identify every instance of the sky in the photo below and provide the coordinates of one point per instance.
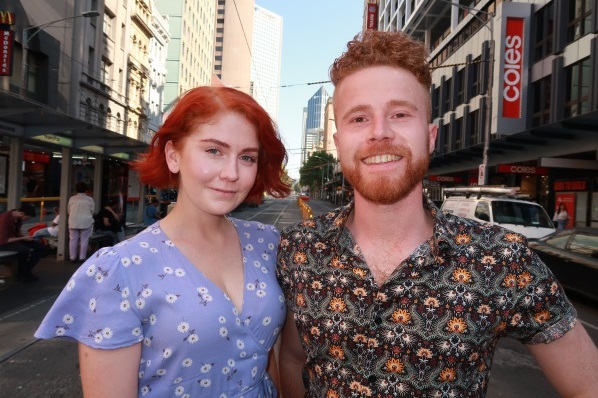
(314, 33)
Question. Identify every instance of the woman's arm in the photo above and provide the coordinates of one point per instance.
(110, 373)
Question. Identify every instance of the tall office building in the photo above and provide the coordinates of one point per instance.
(266, 59)
(191, 48)
(233, 40)
(314, 123)
(518, 81)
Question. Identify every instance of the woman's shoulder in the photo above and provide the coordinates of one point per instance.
(260, 228)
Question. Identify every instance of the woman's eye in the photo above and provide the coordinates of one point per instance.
(249, 159)
(213, 151)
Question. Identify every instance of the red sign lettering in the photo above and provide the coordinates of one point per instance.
(372, 20)
(6, 43)
(522, 169)
(513, 68)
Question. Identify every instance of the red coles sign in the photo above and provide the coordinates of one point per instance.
(513, 69)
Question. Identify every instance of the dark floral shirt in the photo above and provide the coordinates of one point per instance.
(432, 328)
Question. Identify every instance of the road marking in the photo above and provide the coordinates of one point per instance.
(28, 307)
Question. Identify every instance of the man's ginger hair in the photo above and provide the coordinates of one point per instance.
(375, 48)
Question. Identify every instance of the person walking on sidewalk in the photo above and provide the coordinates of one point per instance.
(29, 250)
(389, 296)
(190, 306)
(109, 221)
(80, 211)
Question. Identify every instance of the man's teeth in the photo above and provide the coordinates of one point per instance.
(381, 159)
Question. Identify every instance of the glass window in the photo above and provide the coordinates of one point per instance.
(544, 24)
(482, 211)
(580, 19)
(577, 94)
(542, 93)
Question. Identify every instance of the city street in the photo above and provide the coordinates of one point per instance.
(35, 368)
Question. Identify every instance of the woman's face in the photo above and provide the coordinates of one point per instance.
(216, 164)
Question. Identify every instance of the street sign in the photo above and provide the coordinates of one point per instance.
(482, 175)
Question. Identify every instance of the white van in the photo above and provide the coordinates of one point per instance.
(500, 206)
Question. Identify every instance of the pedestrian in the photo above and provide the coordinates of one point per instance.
(51, 231)
(151, 213)
(561, 217)
(190, 306)
(81, 208)
(388, 296)
(109, 221)
(29, 250)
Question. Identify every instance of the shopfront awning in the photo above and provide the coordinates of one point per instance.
(33, 121)
(566, 137)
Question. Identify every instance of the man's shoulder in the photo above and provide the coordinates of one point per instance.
(318, 225)
(459, 228)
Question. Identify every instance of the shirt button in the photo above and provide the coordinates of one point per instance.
(372, 379)
(378, 320)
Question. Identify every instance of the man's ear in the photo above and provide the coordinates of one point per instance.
(433, 132)
(172, 157)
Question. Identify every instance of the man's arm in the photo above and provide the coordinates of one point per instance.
(570, 363)
(292, 358)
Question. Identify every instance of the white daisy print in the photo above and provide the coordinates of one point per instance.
(148, 343)
(254, 371)
(240, 344)
(161, 372)
(145, 293)
(125, 261)
(144, 245)
(223, 332)
(60, 331)
(257, 264)
(140, 303)
(91, 270)
(260, 240)
(225, 370)
(221, 319)
(249, 247)
(187, 362)
(265, 256)
(271, 246)
(266, 321)
(205, 368)
(144, 390)
(153, 250)
(71, 285)
(98, 338)
(179, 390)
(202, 290)
(250, 286)
(107, 332)
(169, 243)
(99, 277)
(205, 383)
(92, 304)
(183, 327)
(125, 292)
(136, 259)
(153, 319)
(166, 353)
(68, 319)
(193, 338)
(171, 298)
(136, 331)
(260, 293)
(243, 354)
(177, 380)
(168, 270)
(179, 272)
(231, 363)
(264, 270)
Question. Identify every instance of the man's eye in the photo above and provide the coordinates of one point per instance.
(359, 119)
(400, 115)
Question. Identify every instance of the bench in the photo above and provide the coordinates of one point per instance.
(9, 259)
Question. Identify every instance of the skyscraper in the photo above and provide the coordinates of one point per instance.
(314, 124)
(266, 58)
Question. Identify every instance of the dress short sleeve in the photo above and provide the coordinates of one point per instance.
(96, 307)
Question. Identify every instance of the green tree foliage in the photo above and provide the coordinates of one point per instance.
(319, 164)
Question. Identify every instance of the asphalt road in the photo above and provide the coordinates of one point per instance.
(49, 368)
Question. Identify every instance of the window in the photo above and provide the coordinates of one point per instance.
(542, 92)
(474, 127)
(104, 71)
(475, 77)
(435, 103)
(460, 86)
(580, 19)
(447, 95)
(108, 25)
(459, 133)
(544, 30)
(577, 94)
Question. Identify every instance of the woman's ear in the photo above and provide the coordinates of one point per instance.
(172, 157)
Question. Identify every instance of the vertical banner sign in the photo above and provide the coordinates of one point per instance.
(7, 19)
(568, 199)
(513, 69)
(372, 21)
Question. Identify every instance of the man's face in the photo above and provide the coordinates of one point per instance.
(383, 136)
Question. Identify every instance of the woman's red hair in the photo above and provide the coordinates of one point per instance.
(203, 105)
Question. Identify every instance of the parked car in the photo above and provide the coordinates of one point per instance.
(499, 206)
(572, 255)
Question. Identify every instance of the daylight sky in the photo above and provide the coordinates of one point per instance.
(314, 33)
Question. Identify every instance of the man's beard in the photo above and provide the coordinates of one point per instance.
(388, 188)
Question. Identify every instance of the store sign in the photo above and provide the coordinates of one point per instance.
(580, 185)
(522, 169)
(372, 18)
(7, 19)
(513, 68)
(445, 178)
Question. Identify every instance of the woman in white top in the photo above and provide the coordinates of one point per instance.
(80, 208)
(561, 217)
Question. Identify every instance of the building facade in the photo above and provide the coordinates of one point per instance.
(313, 133)
(233, 40)
(266, 59)
(158, 72)
(519, 81)
(190, 58)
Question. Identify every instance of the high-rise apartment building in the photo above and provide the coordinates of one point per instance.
(515, 80)
(314, 123)
(157, 69)
(233, 40)
(266, 59)
(191, 49)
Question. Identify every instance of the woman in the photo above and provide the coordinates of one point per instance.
(80, 211)
(190, 306)
(561, 217)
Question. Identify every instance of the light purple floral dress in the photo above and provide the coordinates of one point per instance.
(195, 343)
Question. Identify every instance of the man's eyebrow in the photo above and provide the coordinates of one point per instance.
(225, 145)
(403, 103)
(356, 108)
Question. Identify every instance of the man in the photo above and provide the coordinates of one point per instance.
(151, 213)
(390, 297)
(12, 239)
(80, 221)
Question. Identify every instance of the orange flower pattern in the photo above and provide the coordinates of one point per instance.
(431, 328)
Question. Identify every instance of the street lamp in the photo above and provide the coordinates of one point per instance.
(36, 29)
(483, 171)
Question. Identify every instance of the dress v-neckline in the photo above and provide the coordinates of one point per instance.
(189, 264)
